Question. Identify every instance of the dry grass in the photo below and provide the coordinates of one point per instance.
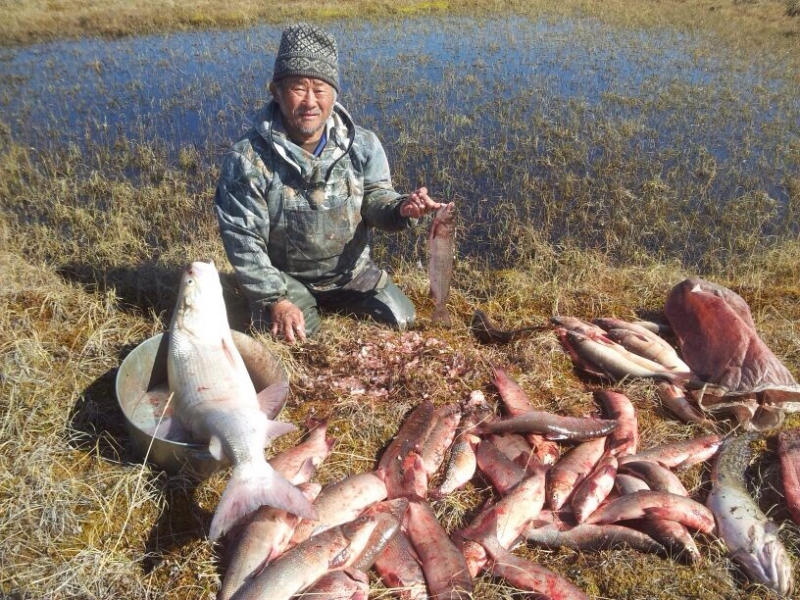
(39, 20)
(89, 270)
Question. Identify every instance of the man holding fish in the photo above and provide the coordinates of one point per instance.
(299, 193)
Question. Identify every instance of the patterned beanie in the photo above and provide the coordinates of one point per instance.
(307, 51)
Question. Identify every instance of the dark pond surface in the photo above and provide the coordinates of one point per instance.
(435, 84)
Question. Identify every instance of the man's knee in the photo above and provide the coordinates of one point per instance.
(401, 308)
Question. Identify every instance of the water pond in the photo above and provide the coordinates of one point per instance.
(473, 109)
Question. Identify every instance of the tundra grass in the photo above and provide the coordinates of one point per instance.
(94, 238)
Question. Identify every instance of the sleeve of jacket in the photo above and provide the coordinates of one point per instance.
(381, 205)
(243, 218)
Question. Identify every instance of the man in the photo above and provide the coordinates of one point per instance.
(298, 194)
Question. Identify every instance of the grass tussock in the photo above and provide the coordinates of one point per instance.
(94, 237)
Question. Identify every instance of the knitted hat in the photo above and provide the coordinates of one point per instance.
(307, 51)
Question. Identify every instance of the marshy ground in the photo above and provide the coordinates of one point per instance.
(599, 153)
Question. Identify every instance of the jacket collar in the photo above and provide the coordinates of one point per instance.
(340, 129)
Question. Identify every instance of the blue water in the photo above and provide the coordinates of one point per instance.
(510, 83)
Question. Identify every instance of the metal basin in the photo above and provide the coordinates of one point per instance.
(143, 393)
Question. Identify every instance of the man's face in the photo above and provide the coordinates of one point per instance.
(306, 104)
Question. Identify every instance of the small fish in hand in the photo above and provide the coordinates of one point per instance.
(441, 246)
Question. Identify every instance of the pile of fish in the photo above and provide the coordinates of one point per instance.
(558, 481)
(728, 368)
(601, 492)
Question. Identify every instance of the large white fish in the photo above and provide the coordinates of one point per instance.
(216, 401)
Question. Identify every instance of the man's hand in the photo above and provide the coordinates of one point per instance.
(288, 322)
(418, 204)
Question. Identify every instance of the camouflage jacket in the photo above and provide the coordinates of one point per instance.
(282, 210)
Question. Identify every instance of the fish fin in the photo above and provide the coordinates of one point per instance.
(276, 429)
(272, 398)
(215, 447)
(254, 486)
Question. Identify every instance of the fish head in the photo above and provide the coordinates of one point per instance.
(766, 561)
(357, 534)
(200, 307)
(444, 221)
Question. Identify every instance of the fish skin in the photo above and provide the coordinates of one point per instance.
(214, 398)
(506, 520)
(678, 543)
(503, 473)
(628, 484)
(461, 466)
(789, 456)
(682, 454)
(263, 538)
(656, 476)
(300, 567)
(750, 536)
(415, 477)
(656, 505)
(389, 514)
(399, 568)
(517, 402)
(573, 467)
(439, 437)
(587, 537)
(529, 576)
(661, 353)
(299, 463)
(462, 463)
(441, 246)
(501, 523)
(409, 437)
(341, 502)
(444, 566)
(600, 356)
(350, 584)
(595, 488)
(624, 440)
(576, 324)
(646, 329)
(513, 445)
(551, 426)
(674, 398)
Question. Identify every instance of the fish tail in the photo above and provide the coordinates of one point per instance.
(441, 315)
(251, 487)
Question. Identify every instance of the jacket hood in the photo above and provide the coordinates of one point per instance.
(341, 131)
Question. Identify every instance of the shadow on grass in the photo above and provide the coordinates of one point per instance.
(150, 288)
(97, 423)
(99, 426)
